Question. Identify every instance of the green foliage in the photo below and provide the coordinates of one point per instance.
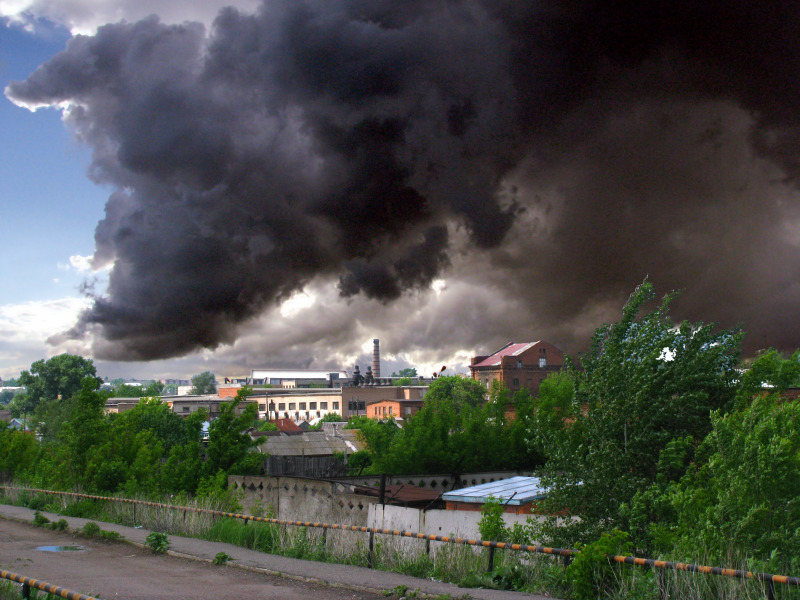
(402, 381)
(457, 430)
(407, 372)
(90, 530)
(60, 525)
(39, 519)
(591, 575)
(440, 438)
(109, 536)
(266, 426)
(645, 383)
(222, 558)
(204, 383)
(157, 542)
(492, 527)
(358, 462)
(59, 377)
(741, 498)
(229, 445)
(215, 488)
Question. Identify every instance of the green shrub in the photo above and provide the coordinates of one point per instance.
(492, 527)
(157, 542)
(39, 519)
(60, 525)
(110, 536)
(90, 530)
(591, 575)
(222, 558)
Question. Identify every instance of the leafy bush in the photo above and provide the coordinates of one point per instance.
(60, 525)
(591, 575)
(491, 526)
(39, 519)
(222, 558)
(90, 530)
(157, 542)
(109, 536)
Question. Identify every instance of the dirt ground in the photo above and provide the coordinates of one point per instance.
(115, 570)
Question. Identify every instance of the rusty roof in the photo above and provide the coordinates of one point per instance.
(402, 494)
(510, 349)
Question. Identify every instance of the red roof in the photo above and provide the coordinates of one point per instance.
(510, 349)
(286, 425)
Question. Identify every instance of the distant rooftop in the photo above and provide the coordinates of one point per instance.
(510, 349)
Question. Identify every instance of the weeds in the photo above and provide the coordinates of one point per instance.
(221, 558)
(157, 542)
(39, 519)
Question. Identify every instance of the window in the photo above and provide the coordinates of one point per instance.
(323, 406)
(542, 362)
(185, 409)
(302, 406)
(312, 406)
(335, 406)
(390, 410)
(262, 407)
(291, 406)
(282, 406)
(519, 364)
(516, 382)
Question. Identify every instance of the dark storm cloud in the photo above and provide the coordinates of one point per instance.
(580, 146)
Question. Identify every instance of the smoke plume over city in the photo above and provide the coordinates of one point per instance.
(444, 175)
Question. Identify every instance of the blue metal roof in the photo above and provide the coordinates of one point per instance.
(514, 491)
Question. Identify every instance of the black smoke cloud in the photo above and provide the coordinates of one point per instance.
(569, 149)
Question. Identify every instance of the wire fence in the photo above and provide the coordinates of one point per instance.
(768, 579)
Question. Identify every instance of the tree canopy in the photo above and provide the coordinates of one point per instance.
(204, 383)
(59, 377)
(646, 383)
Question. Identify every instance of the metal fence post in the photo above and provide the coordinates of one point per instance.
(770, 590)
(491, 559)
(26, 591)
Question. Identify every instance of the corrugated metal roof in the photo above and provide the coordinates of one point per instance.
(311, 443)
(514, 491)
(510, 349)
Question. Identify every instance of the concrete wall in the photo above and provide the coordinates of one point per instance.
(302, 499)
(434, 522)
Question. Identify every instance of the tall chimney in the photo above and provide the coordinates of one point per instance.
(376, 359)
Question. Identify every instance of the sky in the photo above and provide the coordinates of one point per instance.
(191, 186)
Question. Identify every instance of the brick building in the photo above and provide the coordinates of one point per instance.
(518, 365)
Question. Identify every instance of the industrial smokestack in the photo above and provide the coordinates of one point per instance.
(376, 359)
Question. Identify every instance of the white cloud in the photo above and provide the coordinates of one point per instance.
(26, 327)
(81, 263)
(85, 16)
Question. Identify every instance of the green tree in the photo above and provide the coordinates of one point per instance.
(442, 436)
(229, 445)
(59, 377)
(204, 383)
(407, 372)
(645, 383)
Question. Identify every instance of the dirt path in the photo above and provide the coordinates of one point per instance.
(124, 572)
